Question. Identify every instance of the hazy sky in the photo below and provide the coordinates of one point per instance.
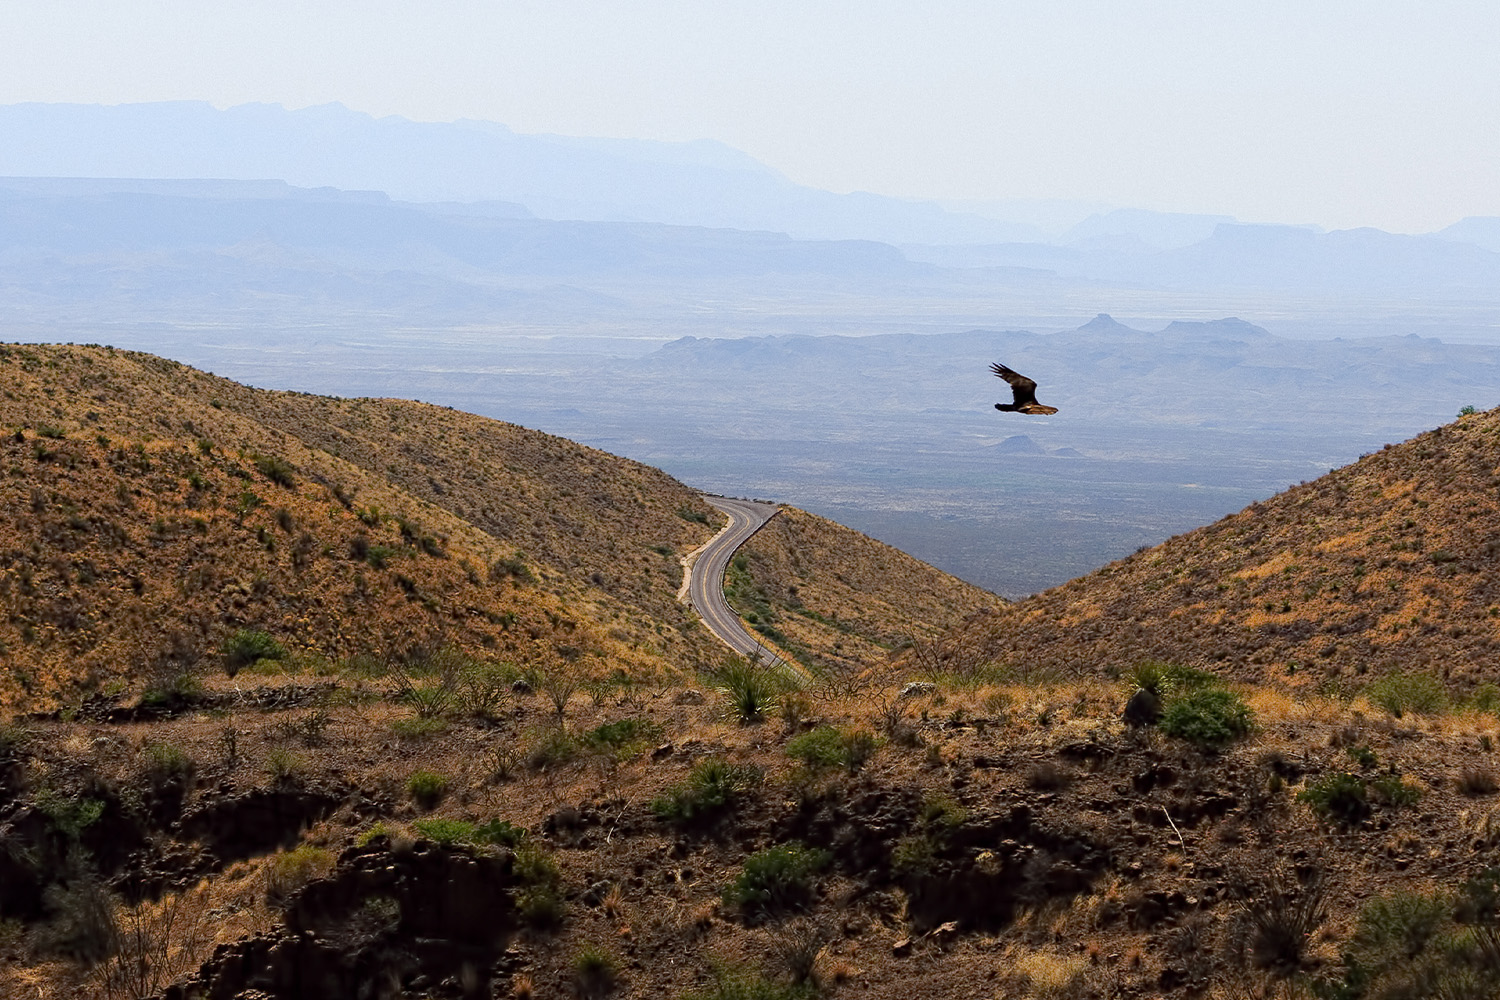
(1343, 113)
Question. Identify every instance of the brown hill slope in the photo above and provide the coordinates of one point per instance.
(1387, 564)
(839, 598)
(148, 511)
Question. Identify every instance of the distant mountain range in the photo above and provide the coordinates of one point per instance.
(701, 183)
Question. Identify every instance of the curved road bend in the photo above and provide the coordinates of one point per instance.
(705, 582)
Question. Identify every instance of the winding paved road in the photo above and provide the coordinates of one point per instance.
(705, 579)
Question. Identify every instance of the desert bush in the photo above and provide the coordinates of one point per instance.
(538, 897)
(1479, 900)
(445, 831)
(1207, 715)
(553, 746)
(1393, 790)
(171, 690)
(622, 739)
(1161, 678)
(712, 786)
(376, 830)
(738, 983)
(288, 871)
(830, 747)
(157, 942)
(70, 814)
(776, 879)
(1402, 693)
(80, 915)
(418, 727)
(167, 762)
(246, 647)
(1281, 920)
(500, 832)
(795, 948)
(752, 690)
(14, 739)
(596, 972)
(284, 766)
(1340, 797)
(277, 470)
(513, 568)
(426, 788)
(483, 686)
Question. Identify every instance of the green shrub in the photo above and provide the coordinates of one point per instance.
(426, 788)
(277, 470)
(538, 897)
(712, 786)
(284, 766)
(166, 762)
(500, 832)
(1340, 797)
(179, 689)
(14, 739)
(777, 878)
(830, 747)
(419, 727)
(736, 983)
(70, 814)
(596, 972)
(752, 690)
(379, 829)
(554, 746)
(624, 738)
(1162, 678)
(1393, 790)
(446, 831)
(291, 870)
(1206, 715)
(249, 646)
(1402, 693)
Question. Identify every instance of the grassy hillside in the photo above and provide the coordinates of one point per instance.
(1384, 566)
(150, 511)
(841, 600)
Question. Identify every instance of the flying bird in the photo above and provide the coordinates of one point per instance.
(1024, 391)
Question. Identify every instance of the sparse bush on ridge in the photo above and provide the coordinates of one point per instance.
(776, 879)
(830, 747)
(246, 647)
(426, 788)
(1408, 692)
(752, 690)
(277, 470)
(713, 784)
(1208, 716)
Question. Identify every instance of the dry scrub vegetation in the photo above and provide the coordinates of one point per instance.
(857, 837)
(1387, 565)
(310, 697)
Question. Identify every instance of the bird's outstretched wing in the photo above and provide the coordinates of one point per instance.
(1023, 388)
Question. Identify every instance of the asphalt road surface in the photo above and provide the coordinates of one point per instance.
(706, 581)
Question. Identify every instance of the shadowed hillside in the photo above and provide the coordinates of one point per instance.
(1385, 565)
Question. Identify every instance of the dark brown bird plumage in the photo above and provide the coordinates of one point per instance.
(1024, 391)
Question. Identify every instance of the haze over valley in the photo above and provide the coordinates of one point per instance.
(842, 367)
